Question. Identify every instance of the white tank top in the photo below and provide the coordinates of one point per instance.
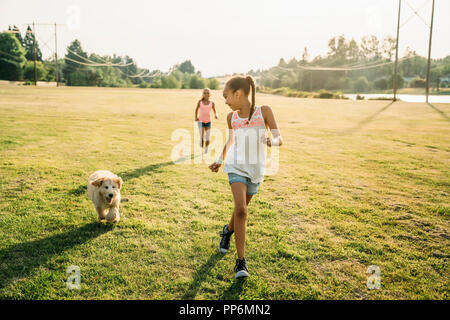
(247, 155)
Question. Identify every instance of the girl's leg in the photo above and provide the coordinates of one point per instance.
(207, 133)
(231, 223)
(203, 136)
(239, 219)
(200, 131)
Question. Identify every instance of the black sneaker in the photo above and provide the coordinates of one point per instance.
(224, 244)
(241, 268)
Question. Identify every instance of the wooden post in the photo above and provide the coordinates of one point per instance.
(429, 53)
(396, 52)
(34, 54)
(56, 60)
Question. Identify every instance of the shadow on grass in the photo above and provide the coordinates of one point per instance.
(200, 276)
(234, 291)
(365, 121)
(19, 260)
(442, 113)
(136, 173)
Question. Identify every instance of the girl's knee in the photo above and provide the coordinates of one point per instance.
(240, 212)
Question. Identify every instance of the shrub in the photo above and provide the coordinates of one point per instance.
(169, 82)
(323, 94)
(196, 82)
(84, 77)
(214, 84)
(144, 85)
(28, 72)
(400, 81)
(380, 84)
(361, 84)
(418, 83)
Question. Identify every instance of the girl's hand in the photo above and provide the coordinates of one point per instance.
(196, 119)
(266, 140)
(215, 167)
(278, 141)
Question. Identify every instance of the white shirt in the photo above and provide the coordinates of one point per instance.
(247, 155)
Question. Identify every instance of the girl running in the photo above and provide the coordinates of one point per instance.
(246, 161)
(204, 118)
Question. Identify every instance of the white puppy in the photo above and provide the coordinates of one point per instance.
(104, 191)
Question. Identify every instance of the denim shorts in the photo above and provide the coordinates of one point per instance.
(252, 188)
(204, 124)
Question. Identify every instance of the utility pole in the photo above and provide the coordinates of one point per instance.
(34, 54)
(429, 53)
(56, 60)
(396, 52)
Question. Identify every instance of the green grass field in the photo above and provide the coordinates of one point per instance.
(360, 183)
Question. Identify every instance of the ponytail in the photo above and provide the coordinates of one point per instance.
(251, 82)
(246, 84)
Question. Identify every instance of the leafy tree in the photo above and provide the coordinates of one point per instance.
(213, 84)
(400, 81)
(75, 71)
(361, 84)
(170, 82)
(305, 56)
(177, 74)
(435, 77)
(388, 47)
(282, 63)
(380, 84)
(28, 45)
(15, 30)
(352, 51)
(41, 71)
(338, 48)
(370, 47)
(12, 57)
(196, 82)
(186, 67)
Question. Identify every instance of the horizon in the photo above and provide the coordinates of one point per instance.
(222, 44)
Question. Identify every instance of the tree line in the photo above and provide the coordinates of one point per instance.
(78, 68)
(345, 53)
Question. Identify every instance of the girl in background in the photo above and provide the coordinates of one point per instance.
(244, 173)
(203, 116)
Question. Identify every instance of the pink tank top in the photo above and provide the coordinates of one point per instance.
(205, 112)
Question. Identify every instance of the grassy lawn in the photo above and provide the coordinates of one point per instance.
(360, 183)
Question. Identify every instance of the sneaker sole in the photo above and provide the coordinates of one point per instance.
(241, 274)
(222, 250)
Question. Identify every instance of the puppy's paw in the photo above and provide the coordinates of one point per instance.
(113, 216)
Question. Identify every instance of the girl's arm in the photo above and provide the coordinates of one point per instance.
(196, 111)
(269, 119)
(216, 165)
(215, 112)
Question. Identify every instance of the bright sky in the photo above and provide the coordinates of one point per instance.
(222, 37)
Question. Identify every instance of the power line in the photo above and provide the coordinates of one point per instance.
(363, 67)
(96, 64)
(140, 75)
(416, 12)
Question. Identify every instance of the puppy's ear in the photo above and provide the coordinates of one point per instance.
(119, 182)
(98, 182)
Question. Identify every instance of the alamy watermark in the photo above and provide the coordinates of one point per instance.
(73, 21)
(249, 148)
(74, 280)
(374, 280)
